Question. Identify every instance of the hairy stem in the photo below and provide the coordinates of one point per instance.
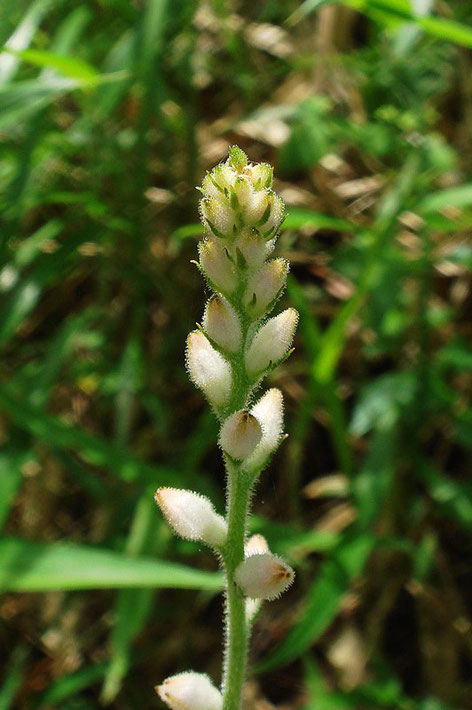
(236, 641)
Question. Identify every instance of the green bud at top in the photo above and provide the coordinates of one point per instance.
(237, 197)
(237, 158)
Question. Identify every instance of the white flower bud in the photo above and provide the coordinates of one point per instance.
(221, 323)
(190, 691)
(257, 207)
(264, 286)
(269, 413)
(218, 217)
(224, 176)
(271, 342)
(263, 576)
(211, 188)
(191, 516)
(256, 545)
(275, 217)
(251, 246)
(217, 265)
(243, 191)
(261, 175)
(240, 434)
(208, 369)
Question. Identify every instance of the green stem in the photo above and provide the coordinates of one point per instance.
(239, 485)
(236, 641)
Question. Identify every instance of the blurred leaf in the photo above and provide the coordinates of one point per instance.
(38, 567)
(132, 607)
(453, 497)
(454, 197)
(14, 677)
(70, 67)
(11, 478)
(397, 12)
(372, 484)
(298, 218)
(22, 36)
(424, 557)
(90, 448)
(323, 600)
(380, 402)
(70, 685)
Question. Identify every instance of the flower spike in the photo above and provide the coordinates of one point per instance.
(227, 359)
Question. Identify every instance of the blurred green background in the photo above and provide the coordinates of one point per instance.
(110, 113)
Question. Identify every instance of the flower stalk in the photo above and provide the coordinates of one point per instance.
(236, 346)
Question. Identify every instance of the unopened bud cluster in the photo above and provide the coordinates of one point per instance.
(241, 214)
(235, 346)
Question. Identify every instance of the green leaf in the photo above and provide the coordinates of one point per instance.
(71, 685)
(14, 677)
(39, 567)
(309, 218)
(70, 67)
(323, 600)
(394, 13)
(381, 401)
(454, 197)
(132, 607)
(22, 36)
(11, 478)
(90, 448)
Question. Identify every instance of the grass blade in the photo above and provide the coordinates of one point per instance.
(37, 567)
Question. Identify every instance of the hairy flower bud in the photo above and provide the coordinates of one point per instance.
(221, 323)
(190, 691)
(269, 413)
(217, 217)
(191, 516)
(264, 286)
(217, 265)
(271, 342)
(261, 175)
(238, 196)
(263, 576)
(240, 434)
(275, 217)
(256, 545)
(251, 248)
(257, 209)
(208, 369)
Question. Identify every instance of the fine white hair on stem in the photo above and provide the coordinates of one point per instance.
(227, 359)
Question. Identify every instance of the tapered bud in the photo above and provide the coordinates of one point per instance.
(222, 324)
(263, 576)
(257, 210)
(252, 248)
(271, 342)
(191, 516)
(275, 217)
(256, 545)
(237, 158)
(217, 216)
(208, 369)
(217, 265)
(240, 434)
(243, 192)
(264, 286)
(190, 691)
(269, 413)
(261, 175)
